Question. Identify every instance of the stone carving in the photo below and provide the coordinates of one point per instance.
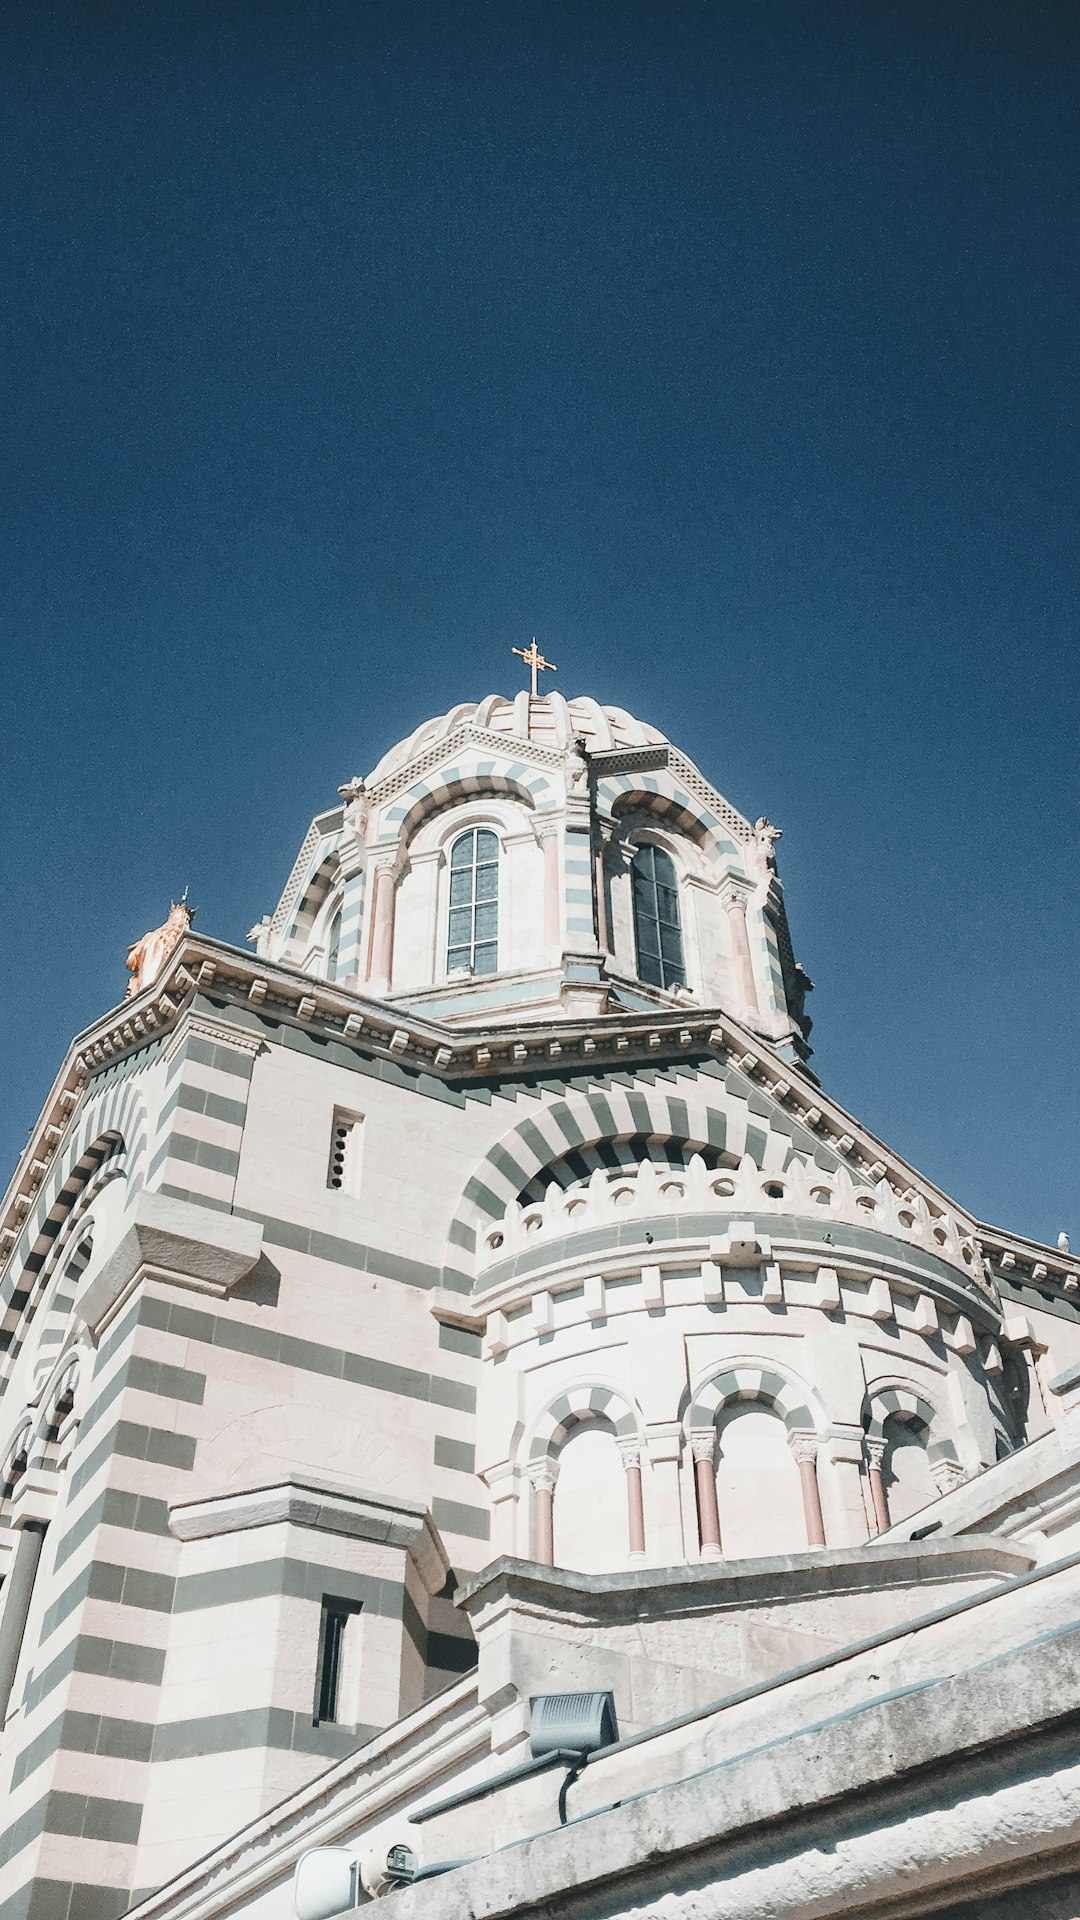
(148, 956)
(764, 844)
(357, 810)
(946, 1474)
(577, 766)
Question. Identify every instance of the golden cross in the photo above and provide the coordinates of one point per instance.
(534, 659)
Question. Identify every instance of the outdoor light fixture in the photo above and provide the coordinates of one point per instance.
(325, 1883)
(327, 1880)
(571, 1723)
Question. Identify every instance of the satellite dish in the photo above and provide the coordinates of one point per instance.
(324, 1883)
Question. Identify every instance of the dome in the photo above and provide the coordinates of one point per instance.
(547, 718)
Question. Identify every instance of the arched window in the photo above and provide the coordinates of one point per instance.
(473, 937)
(757, 1485)
(656, 918)
(333, 946)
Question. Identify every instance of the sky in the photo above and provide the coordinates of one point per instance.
(729, 347)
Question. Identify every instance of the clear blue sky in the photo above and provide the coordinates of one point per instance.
(729, 347)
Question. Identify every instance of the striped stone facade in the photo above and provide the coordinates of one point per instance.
(253, 1409)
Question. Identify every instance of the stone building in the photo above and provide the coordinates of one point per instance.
(471, 1295)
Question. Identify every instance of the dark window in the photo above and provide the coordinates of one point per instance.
(472, 941)
(656, 918)
(333, 946)
(333, 1626)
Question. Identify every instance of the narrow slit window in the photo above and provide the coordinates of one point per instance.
(346, 1137)
(333, 946)
(336, 1623)
(657, 927)
(472, 942)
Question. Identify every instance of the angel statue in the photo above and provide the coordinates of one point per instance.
(147, 957)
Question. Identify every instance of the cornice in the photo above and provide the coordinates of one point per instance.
(610, 1042)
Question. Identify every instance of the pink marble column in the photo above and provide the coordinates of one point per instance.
(703, 1447)
(630, 1455)
(805, 1448)
(542, 1475)
(381, 940)
(733, 899)
(875, 1459)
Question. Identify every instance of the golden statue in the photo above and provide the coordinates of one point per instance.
(147, 957)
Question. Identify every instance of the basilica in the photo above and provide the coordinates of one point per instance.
(481, 1427)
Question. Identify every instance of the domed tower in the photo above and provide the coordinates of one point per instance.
(543, 858)
(488, 1213)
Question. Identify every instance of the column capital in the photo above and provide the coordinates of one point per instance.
(34, 1498)
(803, 1445)
(630, 1452)
(542, 1475)
(735, 894)
(703, 1443)
(875, 1455)
(946, 1474)
(545, 827)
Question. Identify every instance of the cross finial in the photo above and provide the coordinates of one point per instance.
(534, 659)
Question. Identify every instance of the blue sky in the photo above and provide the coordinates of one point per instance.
(729, 347)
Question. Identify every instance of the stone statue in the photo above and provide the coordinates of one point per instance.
(357, 809)
(765, 839)
(577, 766)
(147, 957)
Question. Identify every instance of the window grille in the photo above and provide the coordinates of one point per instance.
(472, 943)
(343, 1173)
(656, 918)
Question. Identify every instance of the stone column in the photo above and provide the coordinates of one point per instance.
(703, 1447)
(548, 836)
(805, 1448)
(843, 1488)
(542, 1475)
(18, 1593)
(630, 1455)
(875, 1458)
(603, 925)
(503, 1483)
(733, 899)
(381, 937)
(668, 1544)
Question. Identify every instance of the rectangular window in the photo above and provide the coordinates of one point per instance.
(337, 1624)
(346, 1138)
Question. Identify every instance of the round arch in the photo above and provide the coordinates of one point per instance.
(575, 1407)
(658, 793)
(744, 1381)
(108, 1142)
(899, 1400)
(695, 1115)
(448, 789)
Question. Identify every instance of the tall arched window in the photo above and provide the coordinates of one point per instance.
(333, 946)
(656, 918)
(473, 937)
